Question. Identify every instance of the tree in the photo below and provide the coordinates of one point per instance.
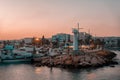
(87, 40)
(47, 42)
(98, 43)
(102, 44)
(81, 42)
(43, 40)
(55, 43)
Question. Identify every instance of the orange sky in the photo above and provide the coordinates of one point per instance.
(28, 18)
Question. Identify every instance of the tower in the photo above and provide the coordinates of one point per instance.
(75, 39)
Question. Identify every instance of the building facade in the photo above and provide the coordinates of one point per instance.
(84, 35)
(111, 41)
(28, 40)
(61, 37)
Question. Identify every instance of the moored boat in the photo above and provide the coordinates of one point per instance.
(9, 54)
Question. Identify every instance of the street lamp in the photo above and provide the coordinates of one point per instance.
(37, 39)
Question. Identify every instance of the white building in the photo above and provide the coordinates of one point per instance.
(83, 35)
(28, 40)
(111, 41)
(67, 37)
(61, 37)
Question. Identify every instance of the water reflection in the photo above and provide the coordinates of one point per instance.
(91, 76)
(26, 71)
(29, 72)
(37, 70)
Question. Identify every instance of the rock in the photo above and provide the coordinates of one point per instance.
(68, 62)
(37, 65)
(76, 59)
(112, 66)
(84, 60)
(94, 61)
(106, 54)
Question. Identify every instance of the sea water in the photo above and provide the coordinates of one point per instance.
(26, 71)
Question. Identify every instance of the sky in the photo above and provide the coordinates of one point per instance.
(35, 18)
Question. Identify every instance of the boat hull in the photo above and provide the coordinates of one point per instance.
(15, 60)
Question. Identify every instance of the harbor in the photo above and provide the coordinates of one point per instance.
(43, 59)
(26, 71)
(59, 40)
(62, 55)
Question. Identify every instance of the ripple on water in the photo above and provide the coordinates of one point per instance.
(25, 71)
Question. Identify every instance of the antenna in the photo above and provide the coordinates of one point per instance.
(78, 26)
(89, 31)
(78, 30)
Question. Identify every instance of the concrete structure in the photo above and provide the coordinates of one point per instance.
(75, 39)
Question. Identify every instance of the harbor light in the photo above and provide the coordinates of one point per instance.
(37, 39)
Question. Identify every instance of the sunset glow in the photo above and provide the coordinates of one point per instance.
(29, 18)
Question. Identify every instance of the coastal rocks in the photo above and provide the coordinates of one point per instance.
(99, 58)
(106, 54)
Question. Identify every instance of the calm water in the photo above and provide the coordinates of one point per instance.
(25, 71)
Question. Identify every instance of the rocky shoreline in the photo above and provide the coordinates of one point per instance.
(92, 59)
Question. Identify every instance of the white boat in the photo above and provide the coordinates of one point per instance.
(9, 54)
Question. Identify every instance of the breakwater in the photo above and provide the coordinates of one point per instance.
(90, 59)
